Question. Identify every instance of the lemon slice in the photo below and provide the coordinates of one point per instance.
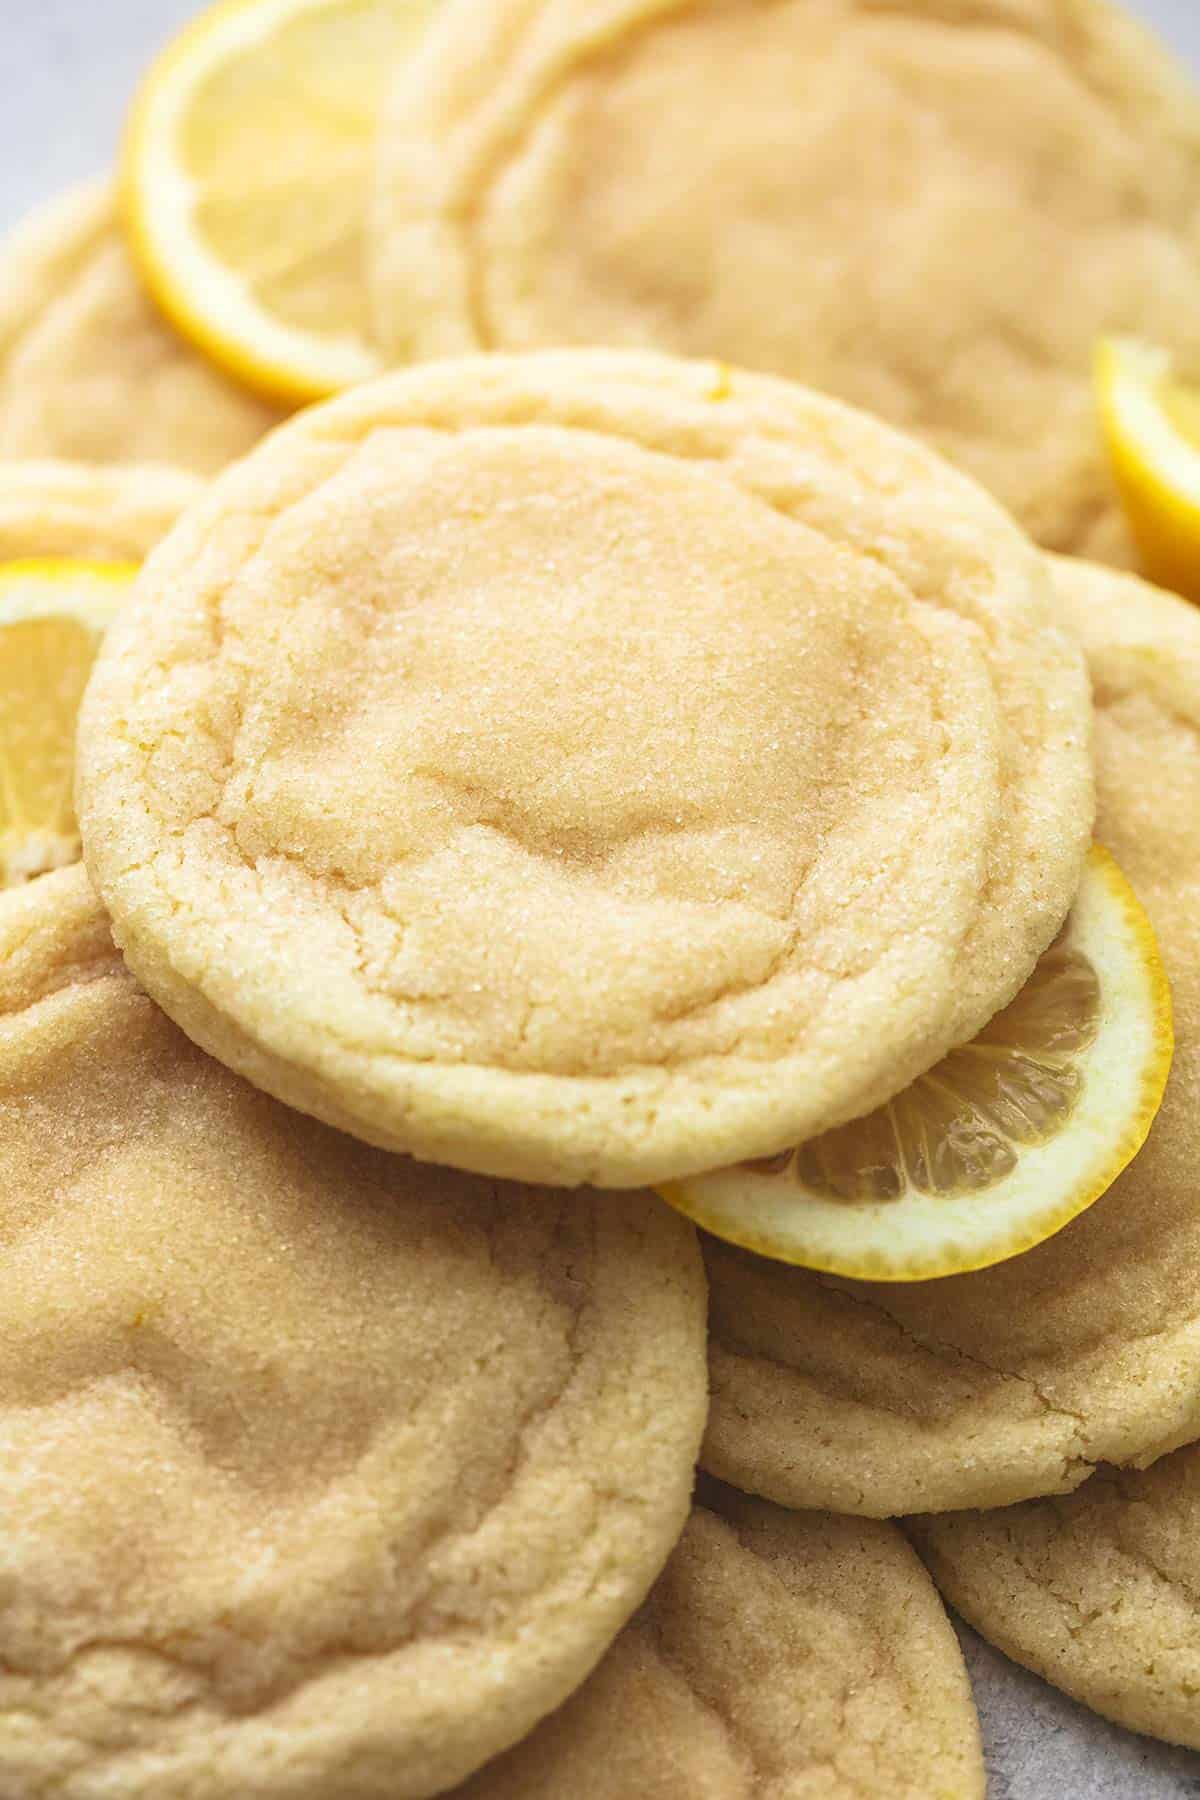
(245, 181)
(1000, 1144)
(1151, 423)
(52, 618)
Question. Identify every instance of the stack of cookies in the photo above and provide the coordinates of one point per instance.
(584, 1058)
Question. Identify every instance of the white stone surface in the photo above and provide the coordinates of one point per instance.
(66, 70)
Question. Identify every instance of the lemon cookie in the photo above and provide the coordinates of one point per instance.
(113, 514)
(930, 208)
(1099, 1593)
(984, 1389)
(89, 369)
(320, 1472)
(781, 1654)
(586, 767)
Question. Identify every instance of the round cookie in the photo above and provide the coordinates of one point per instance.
(115, 514)
(789, 1655)
(320, 1472)
(931, 208)
(586, 767)
(984, 1389)
(1099, 1593)
(89, 369)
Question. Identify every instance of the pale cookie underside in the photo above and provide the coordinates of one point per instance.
(740, 770)
(781, 1654)
(322, 1473)
(985, 1389)
(89, 369)
(1099, 1593)
(114, 514)
(931, 210)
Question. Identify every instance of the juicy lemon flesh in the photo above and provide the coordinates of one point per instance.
(44, 666)
(1150, 412)
(1182, 407)
(959, 1128)
(278, 143)
(995, 1148)
(246, 182)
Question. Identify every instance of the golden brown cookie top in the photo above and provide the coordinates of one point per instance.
(587, 767)
(931, 208)
(1099, 1592)
(983, 1389)
(89, 369)
(779, 1655)
(321, 1472)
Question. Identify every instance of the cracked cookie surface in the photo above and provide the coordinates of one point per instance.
(89, 369)
(1098, 1592)
(990, 1388)
(931, 208)
(320, 1472)
(780, 1656)
(585, 766)
(115, 514)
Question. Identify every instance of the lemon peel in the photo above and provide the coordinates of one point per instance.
(998, 1146)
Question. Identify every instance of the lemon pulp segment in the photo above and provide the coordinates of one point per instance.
(247, 169)
(52, 618)
(960, 1128)
(1000, 1144)
(1151, 422)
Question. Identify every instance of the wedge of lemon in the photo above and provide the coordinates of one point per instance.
(245, 180)
(52, 618)
(1151, 423)
(999, 1145)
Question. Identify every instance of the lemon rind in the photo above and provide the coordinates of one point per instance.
(1132, 1054)
(155, 195)
(63, 587)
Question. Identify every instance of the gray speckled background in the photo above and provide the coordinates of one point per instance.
(66, 69)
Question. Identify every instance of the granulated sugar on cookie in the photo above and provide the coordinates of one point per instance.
(931, 208)
(586, 766)
(321, 1473)
(1099, 1592)
(780, 1654)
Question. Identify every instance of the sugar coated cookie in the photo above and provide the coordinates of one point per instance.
(1099, 1592)
(585, 766)
(931, 208)
(780, 1656)
(321, 1473)
(984, 1389)
(89, 369)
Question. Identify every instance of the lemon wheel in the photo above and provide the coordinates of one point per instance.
(245, 180)
(52, 617)
(1000, 1144)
